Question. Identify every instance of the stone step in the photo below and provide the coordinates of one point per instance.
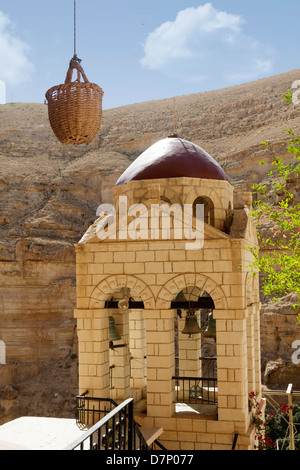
(151, 434)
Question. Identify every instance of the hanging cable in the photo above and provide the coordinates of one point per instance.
(75, 28)
(75, 35)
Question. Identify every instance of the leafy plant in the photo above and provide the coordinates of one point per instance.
(288, 96)
(278, 256)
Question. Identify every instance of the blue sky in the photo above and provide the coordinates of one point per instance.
(139, 50)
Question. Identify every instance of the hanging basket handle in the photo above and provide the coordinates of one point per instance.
(75, 65)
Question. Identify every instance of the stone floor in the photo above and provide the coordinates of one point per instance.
(31, 433)
(196, 411)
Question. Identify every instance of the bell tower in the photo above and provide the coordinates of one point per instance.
(179, 298)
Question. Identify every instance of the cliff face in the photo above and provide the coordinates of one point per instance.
(49, 194)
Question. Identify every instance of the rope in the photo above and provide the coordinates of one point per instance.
(75, 33)
(75, 28)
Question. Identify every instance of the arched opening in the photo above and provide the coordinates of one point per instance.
(120, 361)
(209, 217)
(127, 345)
(195, 350)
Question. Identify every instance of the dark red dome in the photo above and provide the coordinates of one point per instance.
(172, 158)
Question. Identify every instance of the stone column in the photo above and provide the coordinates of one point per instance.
(160, 363)
(251, 353)
(92, 328)
(257, 346)
(232, 367)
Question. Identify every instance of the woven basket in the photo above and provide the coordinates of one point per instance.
(75, 108)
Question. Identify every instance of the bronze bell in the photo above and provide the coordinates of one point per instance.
(113, 334)
(210, 331)
(191, 326)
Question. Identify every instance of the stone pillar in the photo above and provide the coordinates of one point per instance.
(92, 328)
(251, 353)
(160, 363)
(232, 368)
(257, 347)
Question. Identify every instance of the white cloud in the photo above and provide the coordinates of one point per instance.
(259, 68)
(15, 65)
(204, 42)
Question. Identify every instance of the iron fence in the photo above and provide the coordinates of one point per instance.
(199, 390)
(113, 426)
(115, 431)
(196, 390)
(90, 410)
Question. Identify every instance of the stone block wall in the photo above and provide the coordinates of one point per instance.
(198, 433)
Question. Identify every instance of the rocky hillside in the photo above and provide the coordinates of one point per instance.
(49, 194)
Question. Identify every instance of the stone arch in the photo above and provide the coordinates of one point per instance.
(209, 215)
(2, 353)
(111, 284)
(177, 283)
(209, 198)
(204, 192)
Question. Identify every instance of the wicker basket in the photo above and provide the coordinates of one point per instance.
(75, 108)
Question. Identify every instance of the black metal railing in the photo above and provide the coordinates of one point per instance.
(196, 390)
(90, 410)
(113, 426)
(115, 431)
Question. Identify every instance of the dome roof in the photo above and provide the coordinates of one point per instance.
(173, 157)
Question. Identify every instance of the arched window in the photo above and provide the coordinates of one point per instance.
(2, 353)
(209, 216)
